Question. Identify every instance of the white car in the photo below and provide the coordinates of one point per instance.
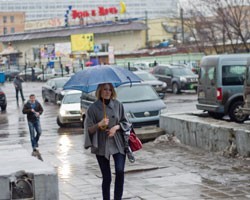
(70, 107)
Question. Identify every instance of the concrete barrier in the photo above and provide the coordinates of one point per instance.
(206, 133)
(15, 159)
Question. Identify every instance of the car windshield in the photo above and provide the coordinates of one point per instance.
(146, 76)
(60, 83)
(136, 93)
(72, 98)
(181, 71)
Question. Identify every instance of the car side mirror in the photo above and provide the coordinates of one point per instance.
(54, 87)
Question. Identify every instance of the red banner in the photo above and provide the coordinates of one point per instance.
(102, 11)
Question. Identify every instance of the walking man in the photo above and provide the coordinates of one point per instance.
(33, 109)
(18, 86)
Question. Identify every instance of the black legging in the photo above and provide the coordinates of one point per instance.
(21, 92)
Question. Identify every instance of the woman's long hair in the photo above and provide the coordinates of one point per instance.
(100, 88)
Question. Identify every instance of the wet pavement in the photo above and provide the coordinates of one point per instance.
(163, 170)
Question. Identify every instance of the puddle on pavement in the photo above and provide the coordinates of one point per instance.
(70, 131)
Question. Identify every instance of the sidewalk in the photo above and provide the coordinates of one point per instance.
(161, 171)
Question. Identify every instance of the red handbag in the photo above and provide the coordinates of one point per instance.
(135, 143)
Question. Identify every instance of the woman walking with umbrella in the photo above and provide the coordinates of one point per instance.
(104, 126)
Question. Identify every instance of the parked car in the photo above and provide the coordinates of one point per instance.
(146, 66)
(52, 90)
(49, 74)
(27, 74)
(220, 88)
(10, 74)
(178, 78)
(3, 100)
(69, 111)
(141, 103)
(159, 86)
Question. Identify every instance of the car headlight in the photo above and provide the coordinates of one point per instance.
(164, 85)
(63, 92)
(163, 111)
(63, 112)
(129, 115)
(183, 79)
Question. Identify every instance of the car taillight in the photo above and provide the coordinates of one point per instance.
(219, 94)
(1, 93)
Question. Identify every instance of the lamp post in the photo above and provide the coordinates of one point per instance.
(25, 65)
(182, 26)
(61, 66)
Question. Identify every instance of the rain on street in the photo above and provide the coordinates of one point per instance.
(163, 170)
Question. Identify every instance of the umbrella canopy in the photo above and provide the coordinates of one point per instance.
(88, 79)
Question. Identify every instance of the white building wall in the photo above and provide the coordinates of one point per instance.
(47, 9)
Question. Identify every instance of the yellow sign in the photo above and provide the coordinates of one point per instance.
(123, 7)
(82, 42)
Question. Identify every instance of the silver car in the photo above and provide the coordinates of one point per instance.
(142, 104)
(69, 111)
(159, 86)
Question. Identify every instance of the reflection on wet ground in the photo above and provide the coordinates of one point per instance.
(161, 171)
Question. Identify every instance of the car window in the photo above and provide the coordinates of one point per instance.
(233, 74)
(207, 73)
(136, 93)
(182, 71)
(146, 76)
(60, 83)
(89, 96)
(72, 98)
(161, 71)
(167, 72)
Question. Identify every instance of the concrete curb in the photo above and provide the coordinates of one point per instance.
(206, 133)
(15, 159)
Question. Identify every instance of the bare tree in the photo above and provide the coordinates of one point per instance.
(228, 24)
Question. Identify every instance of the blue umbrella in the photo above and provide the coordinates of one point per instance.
(88, 79)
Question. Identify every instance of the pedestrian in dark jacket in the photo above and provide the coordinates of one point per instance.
(33, 109)
(18, 86)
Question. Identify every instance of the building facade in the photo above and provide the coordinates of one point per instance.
(122, 38)
(47, 9)
(12, 22)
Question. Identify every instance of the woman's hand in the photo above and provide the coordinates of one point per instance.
(103, 124)
(113, 130)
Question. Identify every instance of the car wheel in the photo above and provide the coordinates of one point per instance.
(59, 123)
(216, 115)
(57, 99)
(175, 88)
(44, 98)
(3, 108)
(235, 113)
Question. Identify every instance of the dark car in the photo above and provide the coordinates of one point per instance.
(10, 74)
(178, 78)
(27, 74)
(141, 103)
(52, 89)
(3, 100)
(159, 86)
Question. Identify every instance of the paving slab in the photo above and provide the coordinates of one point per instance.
(16, 160)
